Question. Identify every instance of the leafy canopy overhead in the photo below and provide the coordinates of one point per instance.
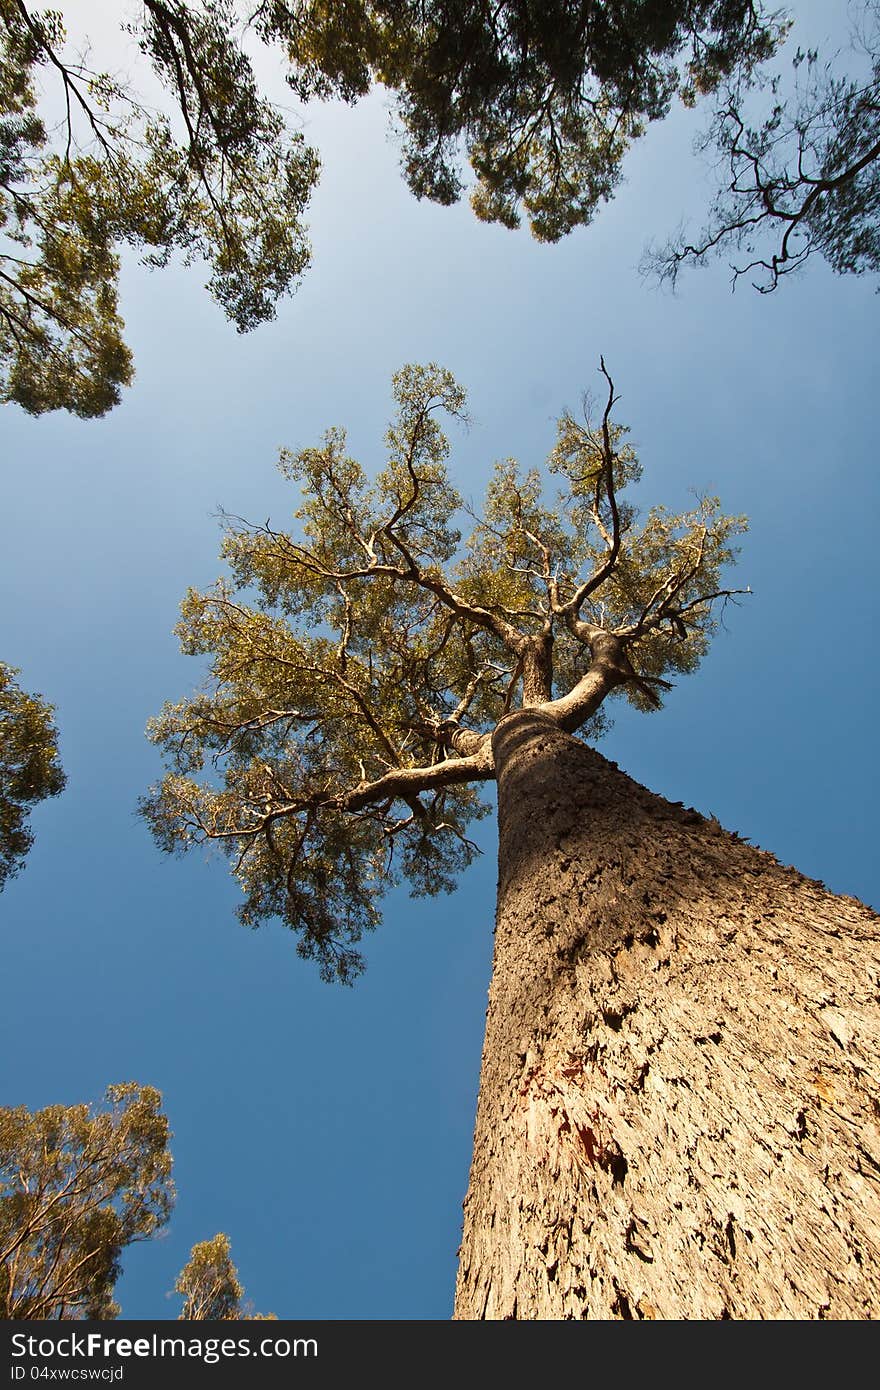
(545, 96)
(358, 664)
(217, 176)
(29, 767)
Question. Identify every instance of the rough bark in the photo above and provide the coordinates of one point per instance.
(680, 1094)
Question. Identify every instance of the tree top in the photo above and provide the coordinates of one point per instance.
(359, 663)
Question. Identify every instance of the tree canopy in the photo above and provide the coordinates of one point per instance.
(209, 1285)
(358, 664)
(545, 98)
(29, 767)
(803, 178)
(217, 176)
(76, 1188)
(545, 95)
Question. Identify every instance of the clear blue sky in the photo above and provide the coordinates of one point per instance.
(328, 1131)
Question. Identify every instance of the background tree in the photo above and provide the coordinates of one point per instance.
(209, 1285)
(218, 176)
(29, 767)
(803, 180)
(678, 1098)
(76, 1188)
(545, 97)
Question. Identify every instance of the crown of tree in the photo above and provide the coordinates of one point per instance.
(358, 665)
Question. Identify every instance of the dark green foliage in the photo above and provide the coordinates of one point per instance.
(545, 96)
(218, 177)
(29, 767)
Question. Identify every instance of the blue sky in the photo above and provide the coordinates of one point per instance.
(328, 1131)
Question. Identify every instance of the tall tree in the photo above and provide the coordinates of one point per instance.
(29, 767)
(546, 97)
(678, 1099)
(209, 1285)
(76, 1188)
(351, 701)
(803, 178)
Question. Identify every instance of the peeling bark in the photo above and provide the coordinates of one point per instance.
(679, 1112)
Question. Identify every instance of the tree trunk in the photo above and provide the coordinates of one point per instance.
(680, 1092)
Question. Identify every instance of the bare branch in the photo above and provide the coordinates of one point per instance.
(605, 482)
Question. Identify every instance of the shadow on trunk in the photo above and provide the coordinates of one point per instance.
(678, 1111)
